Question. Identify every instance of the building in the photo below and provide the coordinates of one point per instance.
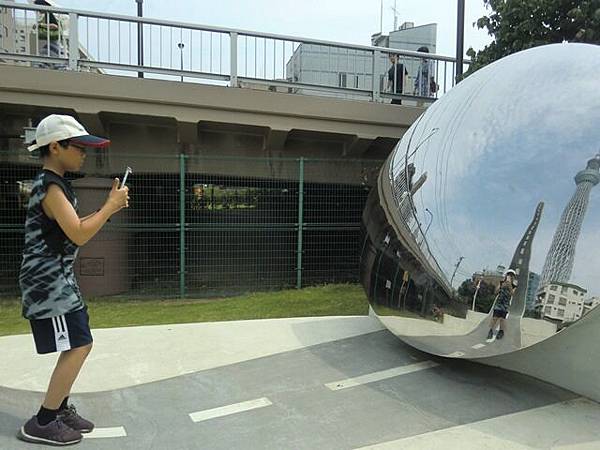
(493, 277)
(561, 302)
(412, 38)
(349, 68)
(533, 283)
(590, 304)
(7, 30)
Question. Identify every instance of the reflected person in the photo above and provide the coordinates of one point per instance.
(504, 295)
(395, 79)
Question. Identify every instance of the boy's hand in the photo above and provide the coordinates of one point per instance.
(118, 198)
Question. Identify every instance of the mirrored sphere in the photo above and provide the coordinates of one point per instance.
(499, 175)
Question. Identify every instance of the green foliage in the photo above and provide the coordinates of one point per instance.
(517, 25)
(485, 296)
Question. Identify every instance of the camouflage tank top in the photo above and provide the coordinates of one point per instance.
(48, 284)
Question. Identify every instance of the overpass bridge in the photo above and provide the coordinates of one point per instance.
(181, 88)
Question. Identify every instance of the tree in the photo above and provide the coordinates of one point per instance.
(517, 25)
(485, 296)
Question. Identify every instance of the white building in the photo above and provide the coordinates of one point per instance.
(561, 302)
(334, 66)
(7, 30)
(590, 304)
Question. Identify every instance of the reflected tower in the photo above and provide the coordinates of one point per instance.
(561, 256)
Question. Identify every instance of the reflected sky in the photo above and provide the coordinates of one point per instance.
(511, 135)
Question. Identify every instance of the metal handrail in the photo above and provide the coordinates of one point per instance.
(226, 30)
(371, 58)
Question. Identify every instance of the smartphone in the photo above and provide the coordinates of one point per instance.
(127, 172)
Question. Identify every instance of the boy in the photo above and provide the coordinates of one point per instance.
(502, 303)
(51, 298)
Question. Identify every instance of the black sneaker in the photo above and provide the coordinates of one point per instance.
(55, 433)
(73, 420)
(491, 334)
(500, 334)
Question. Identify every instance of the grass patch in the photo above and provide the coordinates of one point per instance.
(328, 300)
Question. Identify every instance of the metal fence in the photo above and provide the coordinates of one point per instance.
(80, 40)
(204, 226)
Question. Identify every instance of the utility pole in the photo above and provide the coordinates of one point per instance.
(381, 19)
(140, 14)
(456, 268)
(460, 39)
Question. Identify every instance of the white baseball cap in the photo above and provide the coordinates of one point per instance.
(57, 127)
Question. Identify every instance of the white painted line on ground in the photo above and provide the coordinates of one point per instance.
(207, 414)
(476, 346)
(565, 425)
(382, 375)
(101, 433)
(454, 355)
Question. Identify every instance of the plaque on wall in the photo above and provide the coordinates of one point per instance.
(92, 267)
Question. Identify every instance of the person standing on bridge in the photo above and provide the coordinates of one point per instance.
(395, 79)
(505, 292)
(51, 298)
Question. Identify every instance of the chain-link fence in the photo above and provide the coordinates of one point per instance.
(204, 226)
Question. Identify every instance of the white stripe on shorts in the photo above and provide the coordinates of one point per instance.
(61, 334)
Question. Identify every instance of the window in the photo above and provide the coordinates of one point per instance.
(548, 310)
(562, 301)
(561, 313)
(551, 298)
(343, 79)
(563, 290)
(553, 288)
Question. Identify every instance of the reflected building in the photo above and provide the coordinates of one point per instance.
(590, 304)
(561, 302)
(561, 257)
(493, 277)
(533, 283)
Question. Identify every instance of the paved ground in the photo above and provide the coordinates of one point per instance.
(359, 391)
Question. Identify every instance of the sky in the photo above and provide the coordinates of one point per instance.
(349, 21)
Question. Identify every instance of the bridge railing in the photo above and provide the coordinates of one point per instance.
(68, 39)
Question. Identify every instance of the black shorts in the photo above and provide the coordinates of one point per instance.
(62, 333)
(500, 313)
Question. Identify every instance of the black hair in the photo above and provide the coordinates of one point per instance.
(423, 50)
(44, 151)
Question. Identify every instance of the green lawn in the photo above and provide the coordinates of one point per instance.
(328, 300)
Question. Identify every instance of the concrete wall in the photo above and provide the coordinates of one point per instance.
(157, 118)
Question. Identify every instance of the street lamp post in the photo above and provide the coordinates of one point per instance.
(428, 225)
(460, 39)
(181, 45)
(140, 30)
(430, 221)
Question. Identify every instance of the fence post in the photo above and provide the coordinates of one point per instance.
(376, 90)
(233, 63)
(300, 223)
(73, 41)
(181, 225)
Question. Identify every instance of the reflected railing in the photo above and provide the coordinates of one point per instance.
(68, 39)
